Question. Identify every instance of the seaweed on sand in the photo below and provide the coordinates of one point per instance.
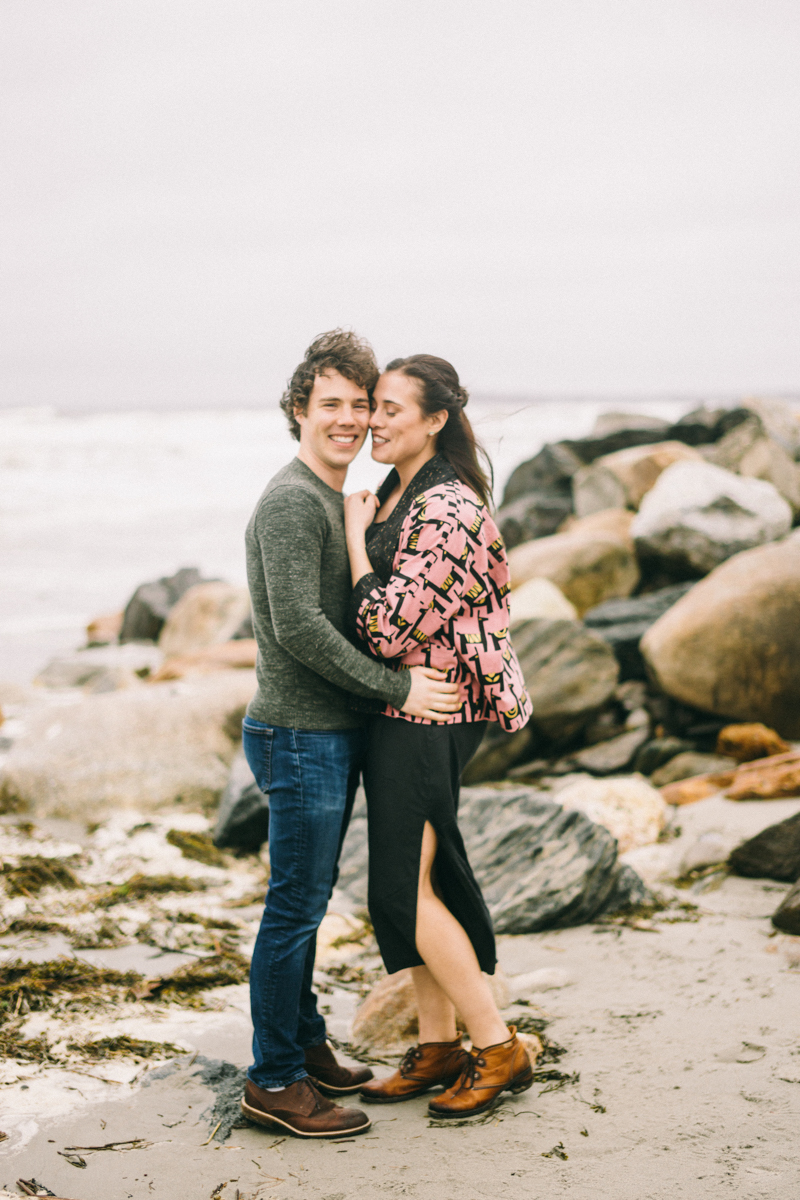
(32, 925)
(24, 1049)
(182, 986)
(198, 846)
(551, 1051)
(33, 872)
(139, 886)
(123, 1046)
(40, 985)
(106, 934)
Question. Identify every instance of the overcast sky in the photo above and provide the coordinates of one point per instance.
(561, 196)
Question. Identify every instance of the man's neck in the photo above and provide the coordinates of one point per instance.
(333, 476)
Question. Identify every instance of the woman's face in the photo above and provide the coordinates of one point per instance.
(400, 429)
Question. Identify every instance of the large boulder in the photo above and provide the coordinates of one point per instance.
(101, 668)
(613, 755)
(569, 671)
(750, 450)
(539, 866)
(731, 645)
(588, 566)
(533, 515)
(774, 853)
(622, 479)
(141, 748)
(550, 471)
(206, 615)
(698, 515)
(623, 623)
(149, 606)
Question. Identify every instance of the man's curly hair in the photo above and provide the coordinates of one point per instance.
(339, 350)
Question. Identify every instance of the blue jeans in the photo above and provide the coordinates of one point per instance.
(311, 777)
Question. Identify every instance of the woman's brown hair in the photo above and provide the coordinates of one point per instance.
(440, 389)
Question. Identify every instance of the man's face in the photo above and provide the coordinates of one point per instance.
(333, 427)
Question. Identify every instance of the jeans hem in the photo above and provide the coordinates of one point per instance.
(277, 1083)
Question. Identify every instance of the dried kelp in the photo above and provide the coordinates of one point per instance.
(12, 1045)
(33, 872)
(198, 846)
(123, 1046)
(33, 925)
(138, 887)
(182, 986)
(41, 985)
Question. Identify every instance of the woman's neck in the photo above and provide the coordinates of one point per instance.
(409, 467)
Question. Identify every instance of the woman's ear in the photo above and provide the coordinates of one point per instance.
(437, 421)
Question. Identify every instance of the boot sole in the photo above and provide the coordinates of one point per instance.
(520, 1084)
(262, 1118)
(328, 1089)
(408, 1095)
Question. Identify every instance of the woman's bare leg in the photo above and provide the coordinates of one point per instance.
(451, 978)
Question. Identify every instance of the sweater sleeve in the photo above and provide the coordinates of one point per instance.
(291, 528)
(425, 591)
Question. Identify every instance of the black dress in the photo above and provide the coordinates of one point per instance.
(412, 774)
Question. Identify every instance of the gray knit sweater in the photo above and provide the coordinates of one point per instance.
(299, 578)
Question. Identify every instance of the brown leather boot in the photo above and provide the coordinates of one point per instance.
(300, 1109)
(501, 1068)
(329, 1077)
(422, 1068)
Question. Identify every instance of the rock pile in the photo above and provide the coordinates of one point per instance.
(679, 559)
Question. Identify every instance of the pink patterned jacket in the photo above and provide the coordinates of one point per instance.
(438, 596)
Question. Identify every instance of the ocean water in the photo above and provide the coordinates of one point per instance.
(92, 505)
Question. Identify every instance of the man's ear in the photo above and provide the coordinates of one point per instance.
(299, 415)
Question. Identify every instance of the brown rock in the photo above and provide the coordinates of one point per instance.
(588, 567)
(616, 522)
(207, 614)
(751, 741)
(625, 476)
(767, 778)
(387, 1020)
(102, 631)
(689, 791)
(240, 654)
(731, 645)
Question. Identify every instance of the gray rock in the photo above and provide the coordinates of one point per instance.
(570, 673)
(606, 758)
(704, 425)
(624, 622)
(772, 854)
(536, 514)
(243, 815)
(149, 606)
(539, 867)
(786, 917)
(611, 423)
(749, 450)
(698, 515)
(658, 751)
(499, 751)
(550, 471)
(101, 668)
(689, 764)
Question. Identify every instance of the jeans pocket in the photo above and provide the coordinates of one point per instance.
(257, 745)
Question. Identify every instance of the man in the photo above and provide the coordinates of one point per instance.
(303, 733)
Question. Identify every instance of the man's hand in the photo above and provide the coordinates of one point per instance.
(430, 695)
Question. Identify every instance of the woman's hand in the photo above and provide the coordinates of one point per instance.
(359, 513)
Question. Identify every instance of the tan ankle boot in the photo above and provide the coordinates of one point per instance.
(423, 1067)
(486, 1073)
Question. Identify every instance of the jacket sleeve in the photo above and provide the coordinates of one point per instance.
(425, 591)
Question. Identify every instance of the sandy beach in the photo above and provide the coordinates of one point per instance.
(681, 1073)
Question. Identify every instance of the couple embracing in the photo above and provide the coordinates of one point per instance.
(383, 650)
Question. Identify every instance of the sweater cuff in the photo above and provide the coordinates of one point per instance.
(359, 594)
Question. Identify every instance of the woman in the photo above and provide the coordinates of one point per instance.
(430, 580)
